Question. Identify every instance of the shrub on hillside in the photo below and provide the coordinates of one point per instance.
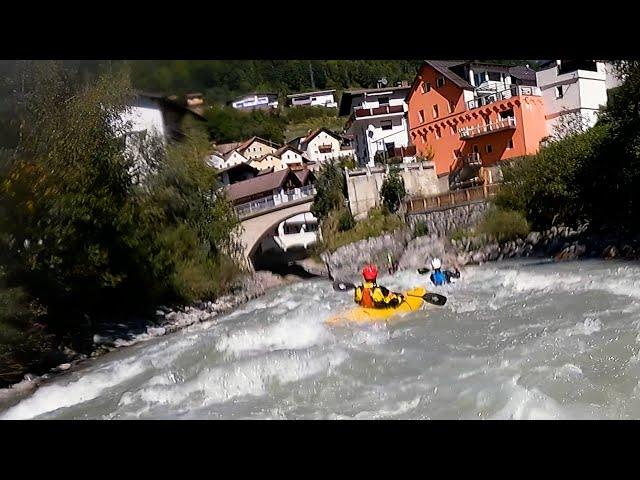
(393, 191)
(504, 225)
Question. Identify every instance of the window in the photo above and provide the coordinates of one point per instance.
(454, 129)
(489, 148)
(452, 106)
(487, 119)
(383, 101)
(476, 149)
(510, 144)
(435, 111)
(559, 93)
(421, 116)
(438, 134)
(480, 77)
(390, 147)
(440, 82)
(506, 114)
(495, 76)
(386, 125)
(426, 87)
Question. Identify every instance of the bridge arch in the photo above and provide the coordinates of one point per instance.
(257, 226)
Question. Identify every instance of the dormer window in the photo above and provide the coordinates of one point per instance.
(440, 82)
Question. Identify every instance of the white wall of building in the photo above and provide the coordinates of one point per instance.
(235, 159)
(323, 100)
(290, 157)
(145, 115)
(580, 92)
(257, 149)
(322, 139)
(255, 101)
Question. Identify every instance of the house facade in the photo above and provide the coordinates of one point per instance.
(574, 91)
(322, 145)
(322, 98)
(469, 116)
(268, 161)
(376, 120)
(251, 101)
(257, 147)
(152, 116)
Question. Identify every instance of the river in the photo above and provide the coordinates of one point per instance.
(516, 340)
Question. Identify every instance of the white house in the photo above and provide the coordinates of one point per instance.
(291, 156)
(376, 119)
(251, 101)
(152, 116)
(322, 98)
(322, 145)
(233, 158)
(574, 88)
(257, 147)
(268, 161)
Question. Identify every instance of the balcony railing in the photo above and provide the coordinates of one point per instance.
(471, 160)
(272, 201)
(451, 199)
(513, 91)
(383, 110)
(476, 131)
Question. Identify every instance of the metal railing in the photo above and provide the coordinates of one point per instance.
(513, 91)
(476, 131)
(273, 201)
(451, 199)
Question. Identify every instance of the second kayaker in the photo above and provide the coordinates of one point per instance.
(439, 276)
(371, 295)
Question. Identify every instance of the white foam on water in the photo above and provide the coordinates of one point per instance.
(289, 333)
(241, 378)
(588, 327)
(89, 386)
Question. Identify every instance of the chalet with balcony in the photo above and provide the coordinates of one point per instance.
(469, 116)
(376, 118)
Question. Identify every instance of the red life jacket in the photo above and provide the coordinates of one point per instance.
(367, 298)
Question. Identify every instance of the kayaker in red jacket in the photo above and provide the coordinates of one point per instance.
(371, 295)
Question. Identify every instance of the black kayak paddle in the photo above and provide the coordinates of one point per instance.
(429, 297)
(424, 270)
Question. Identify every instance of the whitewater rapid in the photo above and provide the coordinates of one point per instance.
(516, 340)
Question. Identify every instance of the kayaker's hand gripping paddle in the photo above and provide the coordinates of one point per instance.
(433, 298)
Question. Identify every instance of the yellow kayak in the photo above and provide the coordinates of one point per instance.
(368, 315)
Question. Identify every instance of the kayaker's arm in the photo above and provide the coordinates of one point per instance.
(357, 295)
(387, 297)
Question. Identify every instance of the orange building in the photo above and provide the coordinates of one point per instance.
(473, 115)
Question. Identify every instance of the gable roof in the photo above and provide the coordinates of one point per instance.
(281, 150)
(523, 72)
(227, 147)
(260, 184)
(230, 153)
(313, 134)
(304, 175)
(444, 67)
(247, 143)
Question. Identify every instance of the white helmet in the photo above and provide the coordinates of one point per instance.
(436, 263)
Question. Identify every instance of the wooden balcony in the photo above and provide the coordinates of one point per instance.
(451, 199)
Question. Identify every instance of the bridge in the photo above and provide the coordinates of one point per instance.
(260, 217)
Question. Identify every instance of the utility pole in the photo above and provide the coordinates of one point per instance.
(313, 84)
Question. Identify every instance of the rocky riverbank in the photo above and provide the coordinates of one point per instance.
(560, 243)
(111, 335)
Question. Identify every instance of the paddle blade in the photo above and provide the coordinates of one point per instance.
(435, 298)
(422, 271)
(343, 286)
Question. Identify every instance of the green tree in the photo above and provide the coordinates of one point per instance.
(393, 191)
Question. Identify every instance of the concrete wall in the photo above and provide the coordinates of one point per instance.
(364, 185)
(445, 221)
